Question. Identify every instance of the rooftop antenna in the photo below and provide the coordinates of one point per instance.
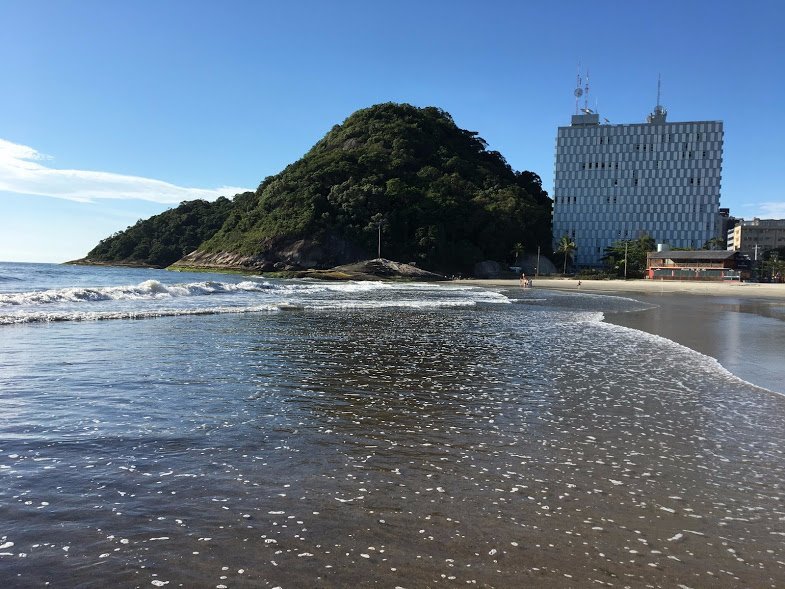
(578, 90)
(586, 94)
(659, 113)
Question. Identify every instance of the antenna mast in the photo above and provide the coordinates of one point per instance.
(586, 94)
(659, 113)
(578, 90)
(658, 89)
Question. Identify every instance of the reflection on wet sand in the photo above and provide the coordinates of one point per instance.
(520, 446)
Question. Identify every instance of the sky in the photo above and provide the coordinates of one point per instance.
(114, 111)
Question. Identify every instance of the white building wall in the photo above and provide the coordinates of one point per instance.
(614, 182)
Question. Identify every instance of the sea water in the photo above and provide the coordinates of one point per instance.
(205, 430)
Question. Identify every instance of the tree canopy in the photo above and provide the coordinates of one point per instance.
(633, 251)
(444, 199)
(440, 196)
(565, 247)
(163, 239)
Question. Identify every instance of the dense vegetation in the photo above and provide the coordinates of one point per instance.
(627, 257)
(163, 239)
(440, 197)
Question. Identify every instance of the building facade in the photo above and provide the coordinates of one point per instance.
(616, 182)
(697, 265)
(754, 238)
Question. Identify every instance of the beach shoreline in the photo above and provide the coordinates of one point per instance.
(745, 290)
(742, 326)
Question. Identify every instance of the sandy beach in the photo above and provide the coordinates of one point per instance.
(746, 290)
(740, 325)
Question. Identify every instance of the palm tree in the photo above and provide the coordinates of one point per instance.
(517, 250)
(566, 246)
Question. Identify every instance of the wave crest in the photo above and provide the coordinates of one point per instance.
(149, 289)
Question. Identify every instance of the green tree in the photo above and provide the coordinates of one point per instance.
(772, 267)
(517, 250)
(715, 243)
(566, 247)
(627, 257)
(163, 239)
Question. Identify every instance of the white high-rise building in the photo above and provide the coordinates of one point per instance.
(616, 182)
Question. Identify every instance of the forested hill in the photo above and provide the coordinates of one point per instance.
(441, 197)
(165, 238)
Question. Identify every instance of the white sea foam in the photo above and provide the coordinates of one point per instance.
(52, 317)
(37, 316)
(703, 362)
(149, 289)
(153, 298)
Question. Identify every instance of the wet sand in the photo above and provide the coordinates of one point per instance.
(740, 325)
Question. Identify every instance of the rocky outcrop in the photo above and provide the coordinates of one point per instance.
(528, 264)
(381, 268)
(489, 269)
(302, 254)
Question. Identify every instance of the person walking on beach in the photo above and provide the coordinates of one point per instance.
(522, 281)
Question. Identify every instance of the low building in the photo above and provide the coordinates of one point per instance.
(697, 265)
(757, 236)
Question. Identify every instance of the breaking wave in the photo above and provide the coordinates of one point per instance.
(149, 289)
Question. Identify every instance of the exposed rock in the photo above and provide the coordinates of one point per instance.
(302, 254)
(528, 264)
(389, 268)
(489, 269)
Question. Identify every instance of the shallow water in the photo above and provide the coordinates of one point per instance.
(375, 436)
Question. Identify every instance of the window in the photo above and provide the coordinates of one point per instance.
(636, 181)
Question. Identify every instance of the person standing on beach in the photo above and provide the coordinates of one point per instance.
(522, 281)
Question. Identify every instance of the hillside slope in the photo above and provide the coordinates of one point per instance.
(407, 177)
(442, 200)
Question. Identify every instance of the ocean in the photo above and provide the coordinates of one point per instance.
(214, 430)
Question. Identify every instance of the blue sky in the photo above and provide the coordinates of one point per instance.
(114, 111)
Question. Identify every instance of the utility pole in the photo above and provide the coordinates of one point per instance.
(626, 243)
(379, 249)
(537, 268)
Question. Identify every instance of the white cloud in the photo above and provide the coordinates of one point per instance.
(771, 210)
(22, 172)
